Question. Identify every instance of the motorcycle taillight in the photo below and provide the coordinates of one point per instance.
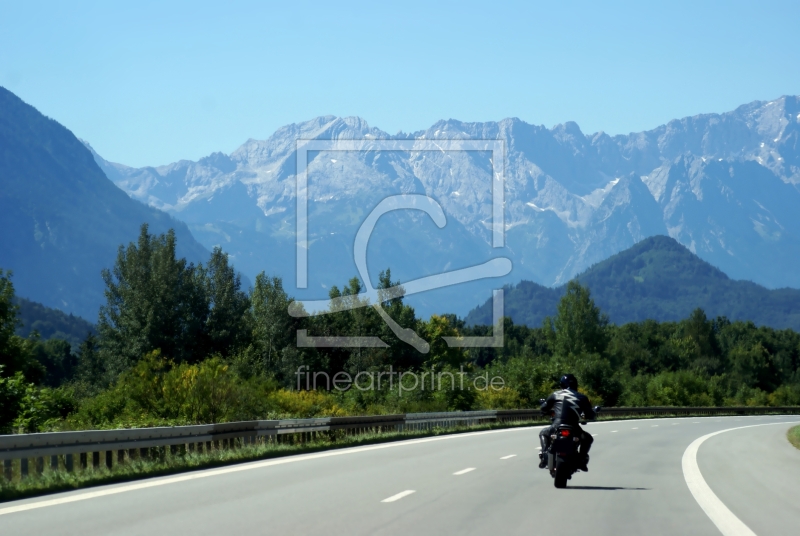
(564, 433)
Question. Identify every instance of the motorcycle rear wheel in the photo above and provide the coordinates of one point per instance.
(562, 473)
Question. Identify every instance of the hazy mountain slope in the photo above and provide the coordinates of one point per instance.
(657, 278)
(724, 185)
(51, 323)
(62, 220)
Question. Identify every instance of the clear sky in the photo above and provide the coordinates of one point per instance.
(148, 83)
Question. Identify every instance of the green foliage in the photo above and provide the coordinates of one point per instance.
(157, 391)
(24, 407)
(56, 356)
(153, 302)
(15, 352)
(579, 326)
(681, 388)
(12, 393)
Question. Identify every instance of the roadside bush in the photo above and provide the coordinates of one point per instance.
(157, 391)
(680, 388)
(505, 398)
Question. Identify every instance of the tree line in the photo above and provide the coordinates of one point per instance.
(179, 343)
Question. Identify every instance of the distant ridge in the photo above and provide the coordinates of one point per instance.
(657, 278)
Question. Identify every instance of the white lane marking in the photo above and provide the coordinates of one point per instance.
(509, 456)
(152, 483)
(675, 424)
(635, 428)
(538, 448)
(399, 496)
(654, 426)
(464, 471)
(614, 431)
(695, 422)
(725, 520)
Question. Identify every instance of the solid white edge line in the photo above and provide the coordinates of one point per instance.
(399, 496)
(725, 520)
(245, 466)
(509, 456)
(464, 471)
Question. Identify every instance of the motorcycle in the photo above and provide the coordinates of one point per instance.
(563, 456)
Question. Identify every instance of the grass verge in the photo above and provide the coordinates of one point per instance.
(794, 436)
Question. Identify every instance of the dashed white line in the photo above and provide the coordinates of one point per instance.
(635, 428)
(399, 496)
(464, 471)
(509, 456)
(614, 431)
(654, 426)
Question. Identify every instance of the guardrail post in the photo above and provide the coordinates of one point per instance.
(83, 461)
(121, 456)
(54, 462)
(8, 469)
(109, 458)
(69, 463)
(144, 453)
(39, 465)
(95, 459)
(23, 467)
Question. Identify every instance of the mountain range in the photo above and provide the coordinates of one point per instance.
(658, 278)
(723, 185)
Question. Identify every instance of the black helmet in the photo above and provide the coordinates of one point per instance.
(568, 381)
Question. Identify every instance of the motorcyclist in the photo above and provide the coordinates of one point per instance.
(570, 407)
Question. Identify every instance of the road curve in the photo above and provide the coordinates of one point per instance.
(485, 482)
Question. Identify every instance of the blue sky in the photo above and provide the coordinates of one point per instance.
(148, 83)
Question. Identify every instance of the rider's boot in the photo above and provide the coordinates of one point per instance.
(582, 463)
(542, 460)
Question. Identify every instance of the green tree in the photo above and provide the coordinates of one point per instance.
(153, 301)
(579, 326)
(271, 323)
(225, 329)
(15, 352)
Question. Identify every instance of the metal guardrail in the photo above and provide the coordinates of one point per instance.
(137, 442)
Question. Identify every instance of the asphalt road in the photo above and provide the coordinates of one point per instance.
(466, 484)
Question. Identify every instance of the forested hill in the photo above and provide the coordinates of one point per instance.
(657, 278)
(51, 323)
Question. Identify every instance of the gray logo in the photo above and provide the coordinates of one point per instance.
(496, 267)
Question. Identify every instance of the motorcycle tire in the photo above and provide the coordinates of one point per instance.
(562, 473)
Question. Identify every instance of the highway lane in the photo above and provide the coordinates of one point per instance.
(635, 486)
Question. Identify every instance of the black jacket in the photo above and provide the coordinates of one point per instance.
(567, 406)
